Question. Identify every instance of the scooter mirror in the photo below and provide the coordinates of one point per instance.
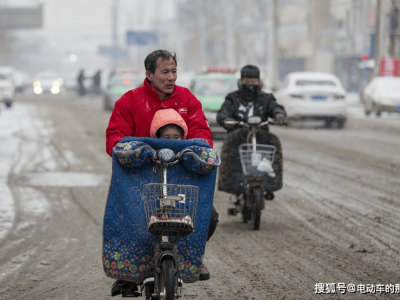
(254, 120)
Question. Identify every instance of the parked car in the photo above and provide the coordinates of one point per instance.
(22, 81)
(7, 86)
(119, 84)
(313, 96)
(211, 89)
(382, 94)
(47, 82)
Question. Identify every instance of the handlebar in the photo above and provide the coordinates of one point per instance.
(241, 123)
(167, 157)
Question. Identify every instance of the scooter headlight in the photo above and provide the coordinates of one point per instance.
(166, 155)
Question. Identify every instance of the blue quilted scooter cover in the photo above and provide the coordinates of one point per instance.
(127, 245)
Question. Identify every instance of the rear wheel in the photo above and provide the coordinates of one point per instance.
(167, 280)
(257, 197)
(246, 215)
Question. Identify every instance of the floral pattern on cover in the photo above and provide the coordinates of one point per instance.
(129, 155)
(205, 154)
(127, 244)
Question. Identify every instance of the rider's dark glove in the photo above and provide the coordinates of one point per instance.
(280, 119)
(228, 126)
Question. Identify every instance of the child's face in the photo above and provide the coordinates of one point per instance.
(171, 133)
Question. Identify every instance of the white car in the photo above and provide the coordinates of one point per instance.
(313, 96)
(7, 87)
(47, 82)
(382, 94)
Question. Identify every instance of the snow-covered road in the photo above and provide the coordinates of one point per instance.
(334, 221)
(18, 131)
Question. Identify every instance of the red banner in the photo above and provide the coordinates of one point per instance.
(389, 66)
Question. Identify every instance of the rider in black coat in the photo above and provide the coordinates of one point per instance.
(248, 101)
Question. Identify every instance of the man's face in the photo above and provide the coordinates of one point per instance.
(253, 81)
(164, 77)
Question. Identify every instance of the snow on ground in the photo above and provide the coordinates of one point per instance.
(9, 144)
(66, 179)
(18, 128)
(28, 154)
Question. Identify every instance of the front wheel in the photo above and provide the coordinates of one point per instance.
(246, 213)
(256, 208)
(167, 282)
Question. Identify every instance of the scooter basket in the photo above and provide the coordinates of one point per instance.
(170, 208)
(251, 159)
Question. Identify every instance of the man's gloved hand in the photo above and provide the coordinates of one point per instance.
(228, 126)
(280, 119)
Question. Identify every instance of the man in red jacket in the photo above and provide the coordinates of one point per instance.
(133, 113)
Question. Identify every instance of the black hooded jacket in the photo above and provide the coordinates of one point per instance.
(236, 106)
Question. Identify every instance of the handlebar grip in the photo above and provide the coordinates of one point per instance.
(186, 152)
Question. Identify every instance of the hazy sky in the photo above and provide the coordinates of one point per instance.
(81, 26)
(77, 23)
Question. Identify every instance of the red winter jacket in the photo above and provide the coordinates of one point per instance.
(133, 113)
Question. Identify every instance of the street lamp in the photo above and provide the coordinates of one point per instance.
(73, 57)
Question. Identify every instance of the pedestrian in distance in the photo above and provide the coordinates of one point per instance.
(97, 83)
(81, 85)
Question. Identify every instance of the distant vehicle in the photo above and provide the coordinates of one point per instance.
(22, 81)
(382, 94)
(7, 86)
(119, 84)
(211, 89)
(313, 96)
(185, 79)
(47, 82)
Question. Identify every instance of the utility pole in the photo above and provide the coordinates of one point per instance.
(377, 46)
(394, 24)
(230, 35)
(114, 32)
(273, 44)
(203, 34)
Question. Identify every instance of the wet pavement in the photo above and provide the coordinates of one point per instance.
(334, 223)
